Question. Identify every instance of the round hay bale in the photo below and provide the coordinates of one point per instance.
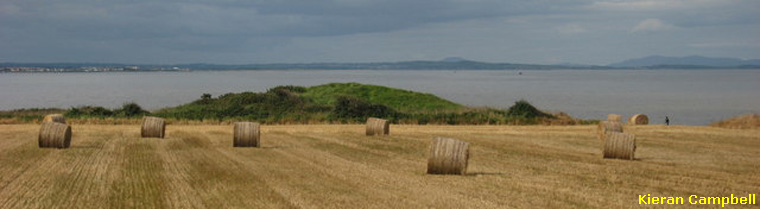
(448, 156)
(619, 145)
(638, 119)
(153, 127)
(614, 117)
(608, 126)
(384, 127)
(58, 118)
(54, 135)
(246, 135)
(370, 126)
(377, 126)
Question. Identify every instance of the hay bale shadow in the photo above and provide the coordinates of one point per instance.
(87, 147)
(276, 147)
(486, 174)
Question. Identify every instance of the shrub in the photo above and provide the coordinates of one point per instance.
(130, 109)
(88, 111)
(354, 108)
(206, 96)
(290, 88)
(524, 109)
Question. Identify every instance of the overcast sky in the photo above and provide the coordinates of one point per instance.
(277, 31)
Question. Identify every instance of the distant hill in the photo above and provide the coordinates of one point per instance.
(686, 62)
(449, 63)
(453, 59)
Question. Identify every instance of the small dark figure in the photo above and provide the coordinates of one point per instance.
(667, 121)
(519, 73)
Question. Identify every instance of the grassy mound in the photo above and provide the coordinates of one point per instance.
(398, 99)
(749, 121)
(331, 103)
(275, 105)
(342, 102)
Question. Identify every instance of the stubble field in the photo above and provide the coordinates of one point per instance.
(336, 166)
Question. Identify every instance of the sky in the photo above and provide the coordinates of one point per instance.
(305, 31)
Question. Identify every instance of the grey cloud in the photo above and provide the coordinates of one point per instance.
(686, 13)
(265, 18)
(237, 31)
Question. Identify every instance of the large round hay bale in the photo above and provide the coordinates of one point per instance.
(54, 135)
(619, 145)
(638, 119)
(377, 126)
(153, 127)
(58, 118)
(370, 126)
(614, 117)
(448, 156)
(246, 135)
(608, 126)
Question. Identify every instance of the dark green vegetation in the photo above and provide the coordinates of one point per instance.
(523, 109)
(331, 103)
(27, 115)
(128, 110)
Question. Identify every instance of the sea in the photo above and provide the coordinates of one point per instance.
(687, 97)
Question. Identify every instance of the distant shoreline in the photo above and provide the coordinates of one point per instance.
(407, 65)
(316, 69)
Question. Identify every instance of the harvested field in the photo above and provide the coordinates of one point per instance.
(337, 166)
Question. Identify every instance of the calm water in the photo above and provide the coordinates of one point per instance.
(687, 97)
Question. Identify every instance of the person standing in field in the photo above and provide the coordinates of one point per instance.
(667, 121)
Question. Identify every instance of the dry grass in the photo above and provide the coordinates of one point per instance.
(336, 166)
(749, 121)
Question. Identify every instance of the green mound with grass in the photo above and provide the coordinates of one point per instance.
(398, 99)
(334, 101)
